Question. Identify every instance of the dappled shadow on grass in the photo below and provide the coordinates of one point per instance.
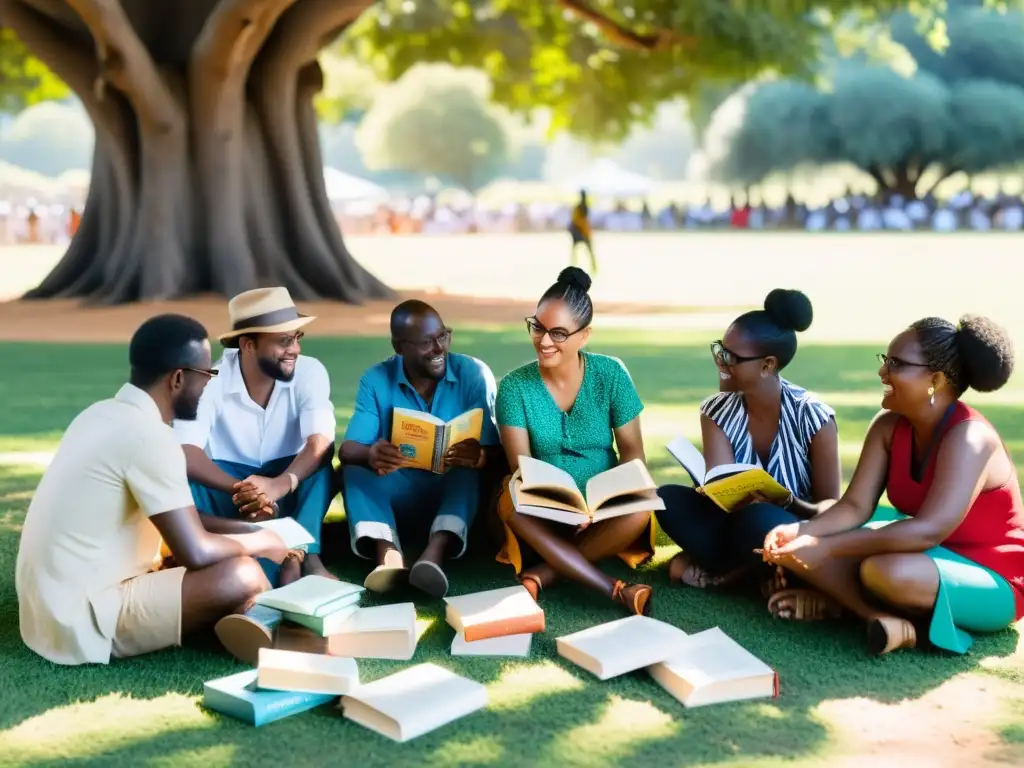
(543, 710)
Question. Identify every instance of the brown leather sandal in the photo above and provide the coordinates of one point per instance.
(803, 605)
(890, 633)
(636, 598)
(532, 584)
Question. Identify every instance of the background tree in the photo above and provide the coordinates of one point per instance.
(960, 111)
(207, 169)
(436, 120)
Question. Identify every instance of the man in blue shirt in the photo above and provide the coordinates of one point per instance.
(382, 493)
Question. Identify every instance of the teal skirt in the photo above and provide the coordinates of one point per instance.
(971, 596)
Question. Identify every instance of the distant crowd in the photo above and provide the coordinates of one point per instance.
(964, 211)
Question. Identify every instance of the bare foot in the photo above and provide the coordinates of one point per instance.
(803, 605)
(291, 570)
(314, 566)
(685, 571)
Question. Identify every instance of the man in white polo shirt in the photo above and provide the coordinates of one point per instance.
(262, 444)
(90, 577)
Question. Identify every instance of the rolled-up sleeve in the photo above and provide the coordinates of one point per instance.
(316, 412)
(365, 424)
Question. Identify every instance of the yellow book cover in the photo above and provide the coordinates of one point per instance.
(424, 439)
(729, 484)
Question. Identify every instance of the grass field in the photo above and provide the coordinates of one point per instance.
(838, 706)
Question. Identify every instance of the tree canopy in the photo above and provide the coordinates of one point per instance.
(436, 120)
(961, 110)
(24, 80)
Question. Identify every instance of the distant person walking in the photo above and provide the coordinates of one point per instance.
(579, 228)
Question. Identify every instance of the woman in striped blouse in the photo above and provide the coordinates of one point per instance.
(757, 418)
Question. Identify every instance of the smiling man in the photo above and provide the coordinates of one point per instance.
(382, 494)
(263, 441)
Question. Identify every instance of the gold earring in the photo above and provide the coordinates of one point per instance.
(931, 395)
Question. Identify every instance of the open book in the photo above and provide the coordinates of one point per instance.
(729, 484)
(414, 701)
(710, 667)
(624, 645)
(494, 613)
(543, 490)
(424, 439)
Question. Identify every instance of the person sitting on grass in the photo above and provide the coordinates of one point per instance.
(572, 409)
(757, 418)
(90, 580)
(949, 553)
(388, 502)
(263, 442)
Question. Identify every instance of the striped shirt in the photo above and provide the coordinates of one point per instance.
(789, 460)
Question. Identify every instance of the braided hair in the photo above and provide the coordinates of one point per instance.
(572, 287)
(973, 354)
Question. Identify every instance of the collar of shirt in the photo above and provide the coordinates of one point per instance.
(234, 383)
(141, 399)
(398, 370)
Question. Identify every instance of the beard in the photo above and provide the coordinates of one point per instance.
(272, 368)
(186, 407)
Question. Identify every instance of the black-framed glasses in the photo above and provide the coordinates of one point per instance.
(211, 372)
(558, 335)
(442, 339)
(727, 358)
(895, 363)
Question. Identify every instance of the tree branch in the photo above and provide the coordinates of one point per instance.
(232, 36)
(125, 62)
(656, 41)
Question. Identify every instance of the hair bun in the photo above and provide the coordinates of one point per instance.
(575, 276)
(986, 353)
(789, 309)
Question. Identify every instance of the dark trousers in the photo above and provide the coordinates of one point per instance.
(716, 540)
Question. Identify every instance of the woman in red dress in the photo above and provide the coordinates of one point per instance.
(950, 557)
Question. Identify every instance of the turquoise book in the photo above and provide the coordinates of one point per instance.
(237, 696)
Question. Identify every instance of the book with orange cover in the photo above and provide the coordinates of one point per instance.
(494, 613)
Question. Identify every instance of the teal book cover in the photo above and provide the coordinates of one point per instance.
(236, 695)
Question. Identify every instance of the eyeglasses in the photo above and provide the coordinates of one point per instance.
(727, 358)
(895, 363)
(442, 339)
(558, 335)
(212, 373)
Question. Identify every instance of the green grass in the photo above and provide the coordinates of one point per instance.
(543, 710)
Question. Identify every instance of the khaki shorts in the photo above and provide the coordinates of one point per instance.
(150, 617)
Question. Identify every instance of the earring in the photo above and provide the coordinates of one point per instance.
(931, 395)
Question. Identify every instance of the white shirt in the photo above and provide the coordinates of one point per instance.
(88, 530)
(230, 426)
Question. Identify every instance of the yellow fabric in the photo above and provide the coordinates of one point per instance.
(636, 553)
(579, 220)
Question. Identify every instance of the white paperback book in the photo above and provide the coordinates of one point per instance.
(506, 645)
(280, 670)
(377, 632)
(412, 702)
(618, 647)
(710, 667)
(291, 532)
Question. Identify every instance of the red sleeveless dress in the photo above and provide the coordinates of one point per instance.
(992, 533)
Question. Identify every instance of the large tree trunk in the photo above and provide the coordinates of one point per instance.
(207, 174)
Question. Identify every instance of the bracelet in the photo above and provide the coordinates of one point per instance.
(293, 480)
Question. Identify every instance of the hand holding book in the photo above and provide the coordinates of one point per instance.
(385, 457)
(469, 454)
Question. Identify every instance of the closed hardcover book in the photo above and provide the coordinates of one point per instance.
(315, 596)
(236, 696)
(323, 625)
(494, 613)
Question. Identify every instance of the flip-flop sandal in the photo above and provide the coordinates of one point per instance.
(243, 634)
(385, 578)
(808, 605)
(429, 578)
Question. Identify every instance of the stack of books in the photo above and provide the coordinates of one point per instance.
(498, 622)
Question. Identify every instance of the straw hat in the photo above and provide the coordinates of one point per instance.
(263, 310)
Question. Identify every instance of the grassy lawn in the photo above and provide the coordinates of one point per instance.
(543, 710)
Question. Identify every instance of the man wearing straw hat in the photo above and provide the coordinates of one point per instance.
(262, 444)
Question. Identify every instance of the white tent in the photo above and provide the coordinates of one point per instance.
(604, 178)
(343, 187)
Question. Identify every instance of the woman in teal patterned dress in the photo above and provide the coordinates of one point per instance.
(572, 409)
